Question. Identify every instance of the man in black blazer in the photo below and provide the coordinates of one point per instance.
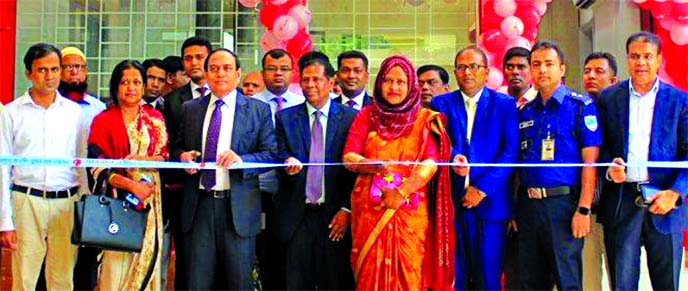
(312, 207)
(221, 209)
(352, 75)
(194, 52)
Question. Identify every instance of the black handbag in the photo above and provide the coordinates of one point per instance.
(108, 223)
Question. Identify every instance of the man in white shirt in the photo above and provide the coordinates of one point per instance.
(277, 72)
(352, 75)
(74, 83)
(36, 202)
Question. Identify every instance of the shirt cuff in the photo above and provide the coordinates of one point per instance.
(346, 209)
(6, 224)
(606, 176)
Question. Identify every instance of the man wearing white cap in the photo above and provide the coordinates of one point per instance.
(73, 83)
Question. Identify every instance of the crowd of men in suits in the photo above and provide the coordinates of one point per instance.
(535, 226)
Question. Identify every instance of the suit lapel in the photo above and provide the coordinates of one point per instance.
(303, 128)
(187, 94)
(460, 109)
(481, 110)
(240, 116)
(662, 104)
(623, 103)
(203, 103)
(333, 121)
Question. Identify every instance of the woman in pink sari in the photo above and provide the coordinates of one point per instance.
(398, 243)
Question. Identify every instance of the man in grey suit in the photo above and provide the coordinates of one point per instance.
(221, 209)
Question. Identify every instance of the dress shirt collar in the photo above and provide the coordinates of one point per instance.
(530, 94)
(59, 99)
(194, 88)
(475, 97)
(228, 99)
(653, 90)
(157, 101)
(558, 95)
(358, 98)
(325, 110)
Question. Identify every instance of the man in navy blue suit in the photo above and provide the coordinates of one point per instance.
(220, 215)
(312, 205)
(644, 119)
(352, 75)
(483, 127)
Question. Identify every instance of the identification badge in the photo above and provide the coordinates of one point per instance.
(547, 150)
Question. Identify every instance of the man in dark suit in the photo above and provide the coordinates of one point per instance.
(644, 119)
(221, 209)
(483, 126)
(352, 75)
(194, 52)
(312, 208)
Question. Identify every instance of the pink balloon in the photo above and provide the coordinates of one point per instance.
(249, 3)
(639, 1)
(512, 27)
(494, 78)
(268, 41)
(524, 2)
(680, 12)
(285, 27)
(301, 14)
(519, 41)
(505, 8)
(679, 34)
(668, 23)
(493, 40)
(541, 7)
(277, 2)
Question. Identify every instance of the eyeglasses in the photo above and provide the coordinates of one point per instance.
(77, 67)
(473, 67)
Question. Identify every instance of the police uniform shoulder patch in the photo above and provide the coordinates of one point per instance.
(587, 100)
(590, 122)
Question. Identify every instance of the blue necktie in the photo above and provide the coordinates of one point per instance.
(210, 152)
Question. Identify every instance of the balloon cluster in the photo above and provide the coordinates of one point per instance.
(505, 24)
(286, 23)
(672, 17)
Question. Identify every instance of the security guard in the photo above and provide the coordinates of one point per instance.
(558, 126)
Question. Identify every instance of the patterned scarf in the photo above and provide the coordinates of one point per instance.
(393, 121)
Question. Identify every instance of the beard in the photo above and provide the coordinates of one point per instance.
(70, 88)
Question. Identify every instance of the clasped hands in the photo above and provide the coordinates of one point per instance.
(660, 203)
(224, 159)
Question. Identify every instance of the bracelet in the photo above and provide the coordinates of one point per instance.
(407, 198)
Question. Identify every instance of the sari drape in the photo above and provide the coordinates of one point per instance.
(111, 138)
(406, 248)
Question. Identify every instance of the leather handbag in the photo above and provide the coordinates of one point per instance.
(108, 223)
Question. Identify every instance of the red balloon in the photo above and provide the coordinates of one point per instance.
(300, 44)
(529, 15)
(530, 33)
(661, 10)
(493, 40)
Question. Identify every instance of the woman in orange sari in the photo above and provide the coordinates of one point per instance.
(128, 130)
(403, 236)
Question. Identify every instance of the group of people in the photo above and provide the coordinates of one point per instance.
(360, 196)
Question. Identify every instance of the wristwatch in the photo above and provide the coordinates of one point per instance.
(583, 210)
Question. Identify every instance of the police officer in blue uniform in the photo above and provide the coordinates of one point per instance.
(559, 126)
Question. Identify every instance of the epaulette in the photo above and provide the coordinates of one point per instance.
(587, 100)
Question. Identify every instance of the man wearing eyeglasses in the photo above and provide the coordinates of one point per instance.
(482, 125)
(73, 83)
(277, 72)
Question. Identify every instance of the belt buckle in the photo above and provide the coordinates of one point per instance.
(535, 193)
(218, 194)
(45, 194)
(639, 184)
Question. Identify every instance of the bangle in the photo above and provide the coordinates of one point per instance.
(407, 198)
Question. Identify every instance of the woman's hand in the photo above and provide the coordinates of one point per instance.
(367, 166)
(141, 190)
(392, 199)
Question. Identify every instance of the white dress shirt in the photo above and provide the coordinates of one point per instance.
(194, 90)
(29, 130)
(325, 110)
(640, 111)
(91, 106)
(471, 104)
(224, 141)
(358, 99)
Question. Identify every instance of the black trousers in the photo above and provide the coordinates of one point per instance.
(269, 251)
(217, 257)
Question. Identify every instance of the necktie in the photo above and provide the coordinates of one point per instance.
(314, 177)
(279, 100)
(351, 103)
(202, 90)
(210, 152)
(470, 117)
